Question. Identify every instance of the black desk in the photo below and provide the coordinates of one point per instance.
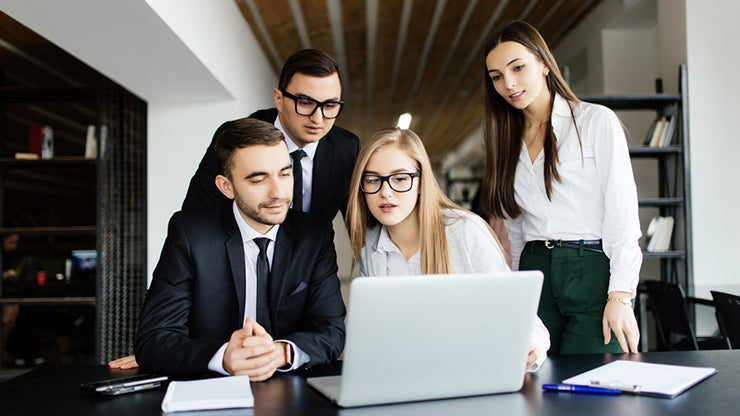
(55, 390)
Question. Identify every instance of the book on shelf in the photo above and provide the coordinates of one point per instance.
(667, 135)
(26, 156)
(651, 130)
(660, 133)
(41, 141)
(91, 143)
(659, 232)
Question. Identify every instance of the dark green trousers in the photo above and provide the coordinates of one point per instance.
(573, 297)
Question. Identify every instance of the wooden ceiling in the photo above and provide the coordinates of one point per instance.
(423, 57)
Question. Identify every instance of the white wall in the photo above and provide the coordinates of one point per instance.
(180, 131)
(672, 38)
(622, 50)
(712, 31)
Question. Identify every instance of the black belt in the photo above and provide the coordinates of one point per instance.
(550, 243)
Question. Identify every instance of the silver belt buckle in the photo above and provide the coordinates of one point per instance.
(550, 243)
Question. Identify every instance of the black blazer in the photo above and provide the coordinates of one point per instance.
(335, 159)
(196, 299)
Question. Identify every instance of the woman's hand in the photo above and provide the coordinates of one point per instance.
(620, 318)
(124, 363)
(534, 354)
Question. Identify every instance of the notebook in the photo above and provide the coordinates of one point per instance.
(413, 338)
(213, 393)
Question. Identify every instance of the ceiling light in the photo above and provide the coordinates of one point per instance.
(404, 121)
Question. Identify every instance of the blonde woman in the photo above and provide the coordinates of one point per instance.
(400, 222)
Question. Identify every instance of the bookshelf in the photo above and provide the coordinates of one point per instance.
(52, 205)
(673, 193)
(70, 202)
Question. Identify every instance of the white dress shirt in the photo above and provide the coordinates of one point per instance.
(397, 264)
(597, 198)
(251, 251)
(306, 165)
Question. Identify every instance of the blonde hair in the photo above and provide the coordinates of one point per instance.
(435, 255)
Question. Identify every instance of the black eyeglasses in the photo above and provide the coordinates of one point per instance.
(306, 106)
(399, 182)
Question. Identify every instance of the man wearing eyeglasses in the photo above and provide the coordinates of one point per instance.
(307, 103)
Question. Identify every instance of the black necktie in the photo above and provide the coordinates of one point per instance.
(297, 155)
(263, 291)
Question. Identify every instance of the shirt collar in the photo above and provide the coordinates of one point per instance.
(384, 241)
(248, 233)
(560, 106)
(386, 245)
(310, 148)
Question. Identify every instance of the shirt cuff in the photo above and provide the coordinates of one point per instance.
(541, 339)
(623, 282)
(216, 363)
(538, 363)
(299, 356)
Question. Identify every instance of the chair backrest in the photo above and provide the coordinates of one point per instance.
(727, 311)
(668, 303)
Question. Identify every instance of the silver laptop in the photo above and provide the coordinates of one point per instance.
(428, 337)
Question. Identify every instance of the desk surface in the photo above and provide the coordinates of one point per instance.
(55, 390)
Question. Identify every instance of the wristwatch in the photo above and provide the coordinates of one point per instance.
(288, 355)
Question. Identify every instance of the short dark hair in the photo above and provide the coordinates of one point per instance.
(237, 134)
(311, 62)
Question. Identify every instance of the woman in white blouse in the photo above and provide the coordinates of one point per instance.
(558, 172)
(401, 223)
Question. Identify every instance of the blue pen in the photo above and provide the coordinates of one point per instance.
(579, 389)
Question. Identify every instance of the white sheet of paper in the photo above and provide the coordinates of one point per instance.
(657, 379)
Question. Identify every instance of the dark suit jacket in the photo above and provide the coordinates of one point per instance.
(332, 170)
(196, 299)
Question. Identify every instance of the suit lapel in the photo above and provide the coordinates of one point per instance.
(281, 259)
(323, 177)
(235, 252)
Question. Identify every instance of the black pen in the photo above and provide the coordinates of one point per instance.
(579, 389)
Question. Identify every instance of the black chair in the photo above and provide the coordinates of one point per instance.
(669, 305)
(727, 311)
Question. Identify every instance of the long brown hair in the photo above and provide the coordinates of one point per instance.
(504, 125)
(435, 254)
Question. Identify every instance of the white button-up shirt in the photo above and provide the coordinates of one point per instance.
(306, 165)
(397, 264)
(597, 198)
(251, 251)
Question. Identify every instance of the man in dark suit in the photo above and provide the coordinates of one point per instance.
(311, 78)
(307, 102)
(214, 304)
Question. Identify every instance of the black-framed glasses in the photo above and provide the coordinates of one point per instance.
(399, 182)
(306, 106)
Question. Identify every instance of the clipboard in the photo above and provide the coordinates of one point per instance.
(657, 380)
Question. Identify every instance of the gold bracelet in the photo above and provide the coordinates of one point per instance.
(623, 301)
